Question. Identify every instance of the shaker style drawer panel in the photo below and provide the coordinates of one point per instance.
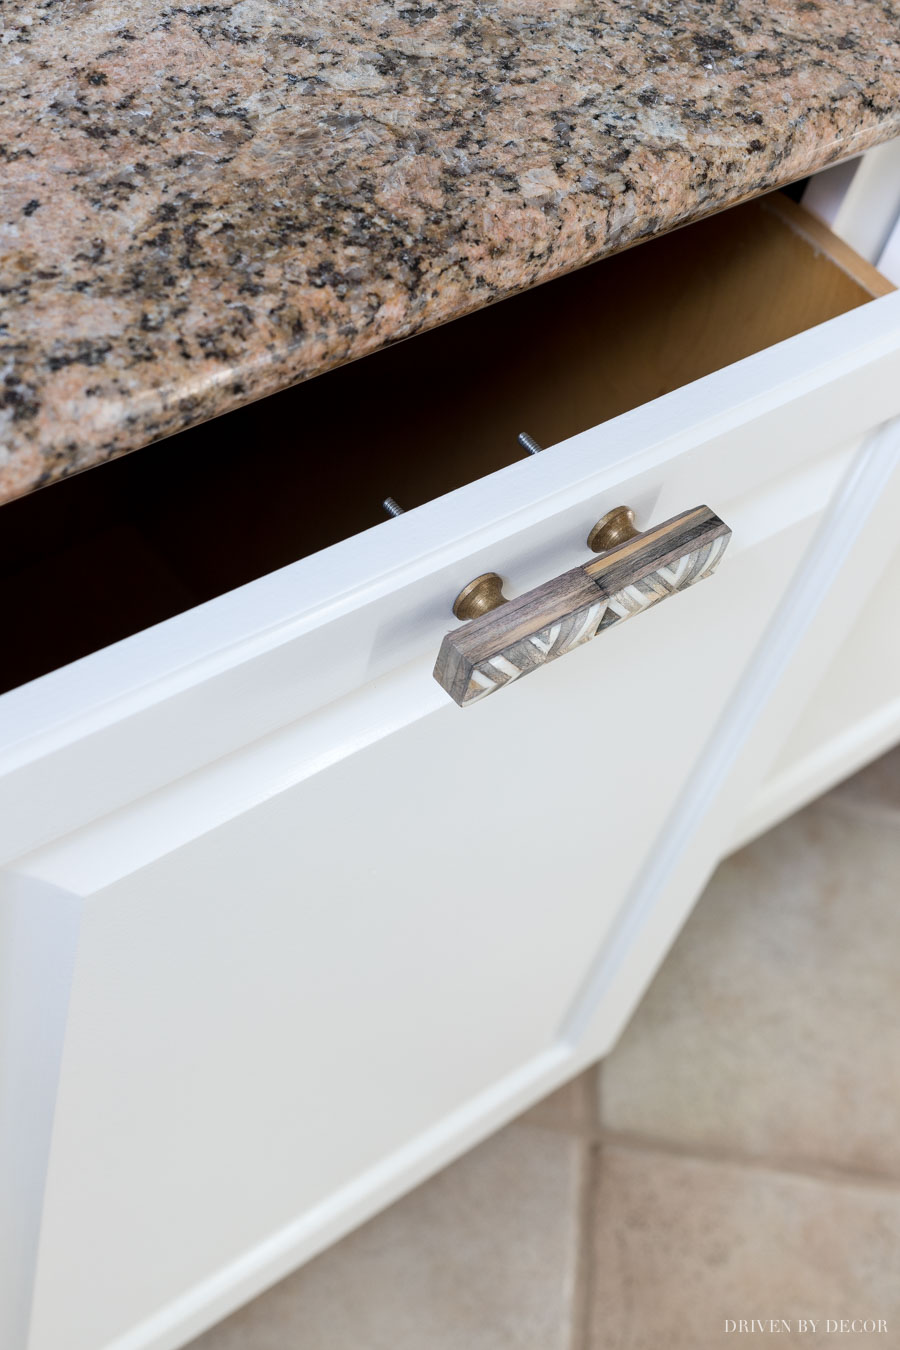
(302, 875)
(852, 716)
(395, 901)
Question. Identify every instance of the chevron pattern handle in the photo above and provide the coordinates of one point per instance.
(524, 634)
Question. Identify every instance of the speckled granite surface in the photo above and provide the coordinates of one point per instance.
(202, 203)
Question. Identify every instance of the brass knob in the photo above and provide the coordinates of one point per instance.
(480, 596)
(614, 528)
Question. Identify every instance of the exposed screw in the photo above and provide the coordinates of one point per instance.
(529, 443)
(391, 507)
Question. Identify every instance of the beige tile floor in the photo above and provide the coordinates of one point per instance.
(736, 1157)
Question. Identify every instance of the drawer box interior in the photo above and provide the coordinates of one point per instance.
(109, 552)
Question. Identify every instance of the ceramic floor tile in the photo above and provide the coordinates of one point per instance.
(681, 1245)
(772, 1028)
(878, 785)
(572, 1107)
(482, 1257)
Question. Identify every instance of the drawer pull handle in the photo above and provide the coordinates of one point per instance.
(612, 529)
(505, 639)
(480, 596)
(486, 592)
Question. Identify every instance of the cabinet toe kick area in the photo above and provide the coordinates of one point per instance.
(277, 873)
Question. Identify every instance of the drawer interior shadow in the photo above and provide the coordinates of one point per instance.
(111, 551)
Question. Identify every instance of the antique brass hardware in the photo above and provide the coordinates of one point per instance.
(636, 570)
(486, 592)
(612, 529)
(480, 596)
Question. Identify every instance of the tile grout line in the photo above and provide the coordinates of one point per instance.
(581, 1294)
(590, 1161)
(808, 1171)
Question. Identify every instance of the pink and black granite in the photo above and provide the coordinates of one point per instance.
(202, 203)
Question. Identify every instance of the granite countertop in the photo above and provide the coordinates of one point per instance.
(205, 202)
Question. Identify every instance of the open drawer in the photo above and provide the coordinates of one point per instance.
(291, 876)
(106, 554)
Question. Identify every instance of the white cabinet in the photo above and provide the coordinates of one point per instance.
(310, 928)
(859, 199)
(853, 714)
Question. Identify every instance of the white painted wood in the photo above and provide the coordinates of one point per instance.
(871, 734)
(852, 717)
(218, 942)
(852, 549)
(351, 932)
(38, 933)
(106, 730)
(826, 190)
(268, 824)
(889, 259)
(860, 198)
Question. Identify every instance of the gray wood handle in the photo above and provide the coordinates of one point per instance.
(526, 633)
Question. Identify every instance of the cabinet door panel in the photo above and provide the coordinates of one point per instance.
(844, 566)
(330, 928)
(295, 965)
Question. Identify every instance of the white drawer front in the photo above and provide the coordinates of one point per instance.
(297, 878)
(394, 902)
(117, 725)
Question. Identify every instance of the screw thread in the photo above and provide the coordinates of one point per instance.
(529, 443)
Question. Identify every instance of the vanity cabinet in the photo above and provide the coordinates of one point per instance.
(285, 928)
